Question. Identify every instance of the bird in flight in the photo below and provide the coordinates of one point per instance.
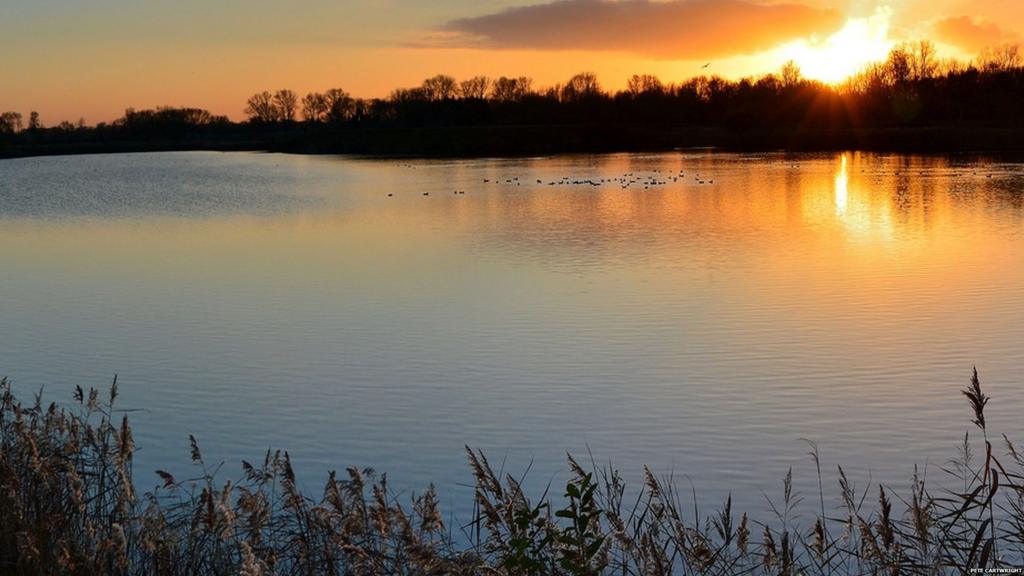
(705, 66)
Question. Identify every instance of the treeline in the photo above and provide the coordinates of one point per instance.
(911, 89)
(163, 121)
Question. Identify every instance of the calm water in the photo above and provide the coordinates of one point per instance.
(701, 329)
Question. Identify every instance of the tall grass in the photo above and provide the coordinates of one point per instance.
(69, 505)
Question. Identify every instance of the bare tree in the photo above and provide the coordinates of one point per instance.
(899, 66)
(1000, 58)
(439, 87)
(314, 107)
(10, 122)
(950, 66)
(581, 87)
(361, 108)
(874, 77)
(644, 84)
(286, 103)
(408, 95)
(340, 105)
(261, 108)
(923, 61)
(511, 89)
(791, 74)
(474, 88)
(33, 121)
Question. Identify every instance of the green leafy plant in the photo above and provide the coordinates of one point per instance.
(581, 540)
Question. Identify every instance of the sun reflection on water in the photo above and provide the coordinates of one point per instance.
(841, 191)
(847, 287)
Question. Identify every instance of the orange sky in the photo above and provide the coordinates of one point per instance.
(77, 58)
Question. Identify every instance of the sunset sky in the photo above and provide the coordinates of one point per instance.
(92, 59)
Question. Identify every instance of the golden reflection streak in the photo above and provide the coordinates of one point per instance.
(841, 187)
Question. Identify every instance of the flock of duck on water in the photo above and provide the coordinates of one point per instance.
(629, 179)
(625, 181)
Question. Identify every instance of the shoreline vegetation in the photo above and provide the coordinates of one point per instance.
(911, 102)
(69, 504)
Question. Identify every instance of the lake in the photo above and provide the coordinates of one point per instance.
(697, 312)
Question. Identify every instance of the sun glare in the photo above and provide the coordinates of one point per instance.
(844, 53)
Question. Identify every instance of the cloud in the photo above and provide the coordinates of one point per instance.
(972, 34)
(667, 29)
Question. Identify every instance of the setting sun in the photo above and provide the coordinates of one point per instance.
(837, 57)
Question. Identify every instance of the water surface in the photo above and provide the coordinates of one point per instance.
(328, 307)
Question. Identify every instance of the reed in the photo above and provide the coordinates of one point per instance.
(69, 505)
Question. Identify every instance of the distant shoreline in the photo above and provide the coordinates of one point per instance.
(529, 140)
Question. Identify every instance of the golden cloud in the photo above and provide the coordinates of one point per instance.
(672, 29)
(972, 34)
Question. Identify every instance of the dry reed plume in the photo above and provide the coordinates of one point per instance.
(69, 505)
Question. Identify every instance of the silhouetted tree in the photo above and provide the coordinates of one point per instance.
(768, 84)
(582, 86)
(791, 74)
(286, 103)
(644, 84)
(1000, 58)
(951, 66)
(899, 66)
(10, 122)
(439, 87)
(261, 108)
(33, 121)
(923, 61)
(314, 107)
(511, 89)
(873, 78)
(407, 95)
(474, 88)
(166, 121)
(340, 105)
